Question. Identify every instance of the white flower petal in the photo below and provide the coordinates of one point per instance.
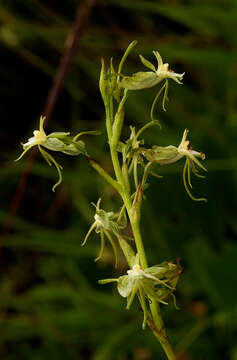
(31, 142)
(125, 285)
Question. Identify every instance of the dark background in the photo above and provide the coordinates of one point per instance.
(51, 306)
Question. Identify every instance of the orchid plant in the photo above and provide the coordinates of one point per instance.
(152, 285)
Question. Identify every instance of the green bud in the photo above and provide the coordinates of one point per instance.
(108, 82)
(102, 81)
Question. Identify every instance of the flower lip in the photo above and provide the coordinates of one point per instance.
(39, 136)
(98, 220)
(185, 149)
(164, 71)
(136, 271)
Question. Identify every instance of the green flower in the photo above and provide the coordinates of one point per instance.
(155, 283)
(170, 154)
(106, 224)
(56, 141)
(144, 80)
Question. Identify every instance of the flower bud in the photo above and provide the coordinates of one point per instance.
(108, 82)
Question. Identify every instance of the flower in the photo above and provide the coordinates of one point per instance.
(144, 80)
(162, 70)
(155, 283)
(105, 224)
(38, 139)
(56, 141)
(170, 154)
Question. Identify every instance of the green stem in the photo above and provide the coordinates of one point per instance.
(133, 209)
(159, 328)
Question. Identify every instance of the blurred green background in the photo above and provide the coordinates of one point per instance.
(51, 306)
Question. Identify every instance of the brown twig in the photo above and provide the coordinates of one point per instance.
(71, 45)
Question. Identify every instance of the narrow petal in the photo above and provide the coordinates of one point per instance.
(88, 234)
(183, 141)
(50, 160)
(111, 240)
(186, 186)
(176, 77)
(144, 307)
(147, 63)
(23, 153)
(158, 58)
(102, 245)
(131, 296)
(191, 156)
(42, 119)
(107, 281)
